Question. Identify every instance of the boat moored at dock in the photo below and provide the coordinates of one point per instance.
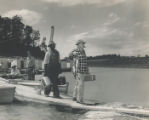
(7, 93)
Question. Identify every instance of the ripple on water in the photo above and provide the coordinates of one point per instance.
(107, 115)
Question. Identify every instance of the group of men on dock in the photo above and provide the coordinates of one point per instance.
(52, 69)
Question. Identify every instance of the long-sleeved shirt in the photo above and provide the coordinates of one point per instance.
(80, 61)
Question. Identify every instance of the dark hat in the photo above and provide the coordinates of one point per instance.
(51, 43)
(80, 41)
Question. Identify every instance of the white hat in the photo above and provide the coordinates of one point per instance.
(14, 63)
(80, 41)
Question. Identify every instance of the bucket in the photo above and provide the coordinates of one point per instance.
(46, 81)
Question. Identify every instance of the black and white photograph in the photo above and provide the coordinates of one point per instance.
(74, 59)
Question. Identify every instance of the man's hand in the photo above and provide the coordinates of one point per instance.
(74, 53)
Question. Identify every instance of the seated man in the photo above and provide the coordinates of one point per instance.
(14, 70)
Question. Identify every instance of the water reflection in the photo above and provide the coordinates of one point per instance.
(34, 111)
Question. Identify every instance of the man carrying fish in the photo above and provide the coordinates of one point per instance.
(52, 67)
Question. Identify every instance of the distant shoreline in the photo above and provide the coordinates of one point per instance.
(117, 61)
(115, 64)
(106, 66)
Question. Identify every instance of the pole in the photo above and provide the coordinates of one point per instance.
(52, 33)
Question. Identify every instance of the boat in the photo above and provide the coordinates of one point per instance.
(7, 93)
(11, 76)
(38, 85)
(62, 84)
(21, 79)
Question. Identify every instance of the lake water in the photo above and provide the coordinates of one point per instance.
(115, 86)
(123, 85)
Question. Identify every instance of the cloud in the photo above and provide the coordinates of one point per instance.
(106, 39)
(82, 2)
(99, 33)
(29, 17)
(112, 18)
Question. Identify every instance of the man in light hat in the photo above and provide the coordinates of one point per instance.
(14, 69)
(80, 41)
(52, 69)
(80, 69)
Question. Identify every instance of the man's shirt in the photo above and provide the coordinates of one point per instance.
(30, 62)
(51, 57)
(80, 61)
(51, 62)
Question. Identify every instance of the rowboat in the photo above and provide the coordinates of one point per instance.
(21, 79)
(6, 93)
(11, 76)
(38, 86)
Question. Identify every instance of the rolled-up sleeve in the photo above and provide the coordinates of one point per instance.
(46, 58)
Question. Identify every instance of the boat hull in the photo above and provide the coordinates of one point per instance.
(7, 94)
(38, 86)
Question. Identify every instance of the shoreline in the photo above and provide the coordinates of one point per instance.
(108, 66)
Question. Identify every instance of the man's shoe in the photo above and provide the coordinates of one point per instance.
(58, 97)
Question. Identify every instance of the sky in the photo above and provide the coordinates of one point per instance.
(107, 26)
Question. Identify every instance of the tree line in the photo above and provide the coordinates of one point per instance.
(16, 38)
(116, 56)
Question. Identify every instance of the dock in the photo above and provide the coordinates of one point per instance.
(24, 93)
(30, 94)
